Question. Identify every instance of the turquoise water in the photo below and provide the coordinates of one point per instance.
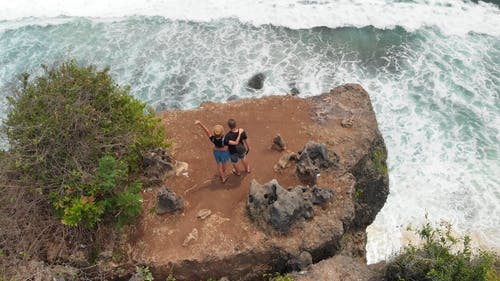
(436, 94)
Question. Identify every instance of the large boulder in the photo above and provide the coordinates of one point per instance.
(167, 201)
(257, 81)
(314, 158)
(272, 205)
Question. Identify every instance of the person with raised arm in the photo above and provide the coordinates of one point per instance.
(220, 149)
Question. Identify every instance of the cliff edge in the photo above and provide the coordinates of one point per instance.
(316, 211)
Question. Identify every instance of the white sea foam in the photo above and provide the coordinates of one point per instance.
(451, 16)
(435, 96)
(442, 147)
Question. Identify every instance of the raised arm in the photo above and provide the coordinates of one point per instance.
(197, 122)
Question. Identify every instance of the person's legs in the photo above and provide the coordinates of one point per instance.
(246, 165)
(234, 161)
(219, 159)
(222, 174)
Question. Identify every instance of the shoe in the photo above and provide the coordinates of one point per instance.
(236, 173)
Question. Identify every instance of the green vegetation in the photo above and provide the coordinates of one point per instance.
(76, 137)
(440, 258)
(278, 277)
(144, 273)
(379, 157)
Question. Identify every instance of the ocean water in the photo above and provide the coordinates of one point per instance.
(432, 68)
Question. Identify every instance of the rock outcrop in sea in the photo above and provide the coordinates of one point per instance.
(303, 207)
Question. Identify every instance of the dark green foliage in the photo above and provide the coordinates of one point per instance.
(77, 135)
(278, 277)
(435, 259)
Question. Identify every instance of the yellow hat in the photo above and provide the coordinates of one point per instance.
(218, 130)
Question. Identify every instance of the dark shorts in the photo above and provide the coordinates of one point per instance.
(221, 156)
(236, 156)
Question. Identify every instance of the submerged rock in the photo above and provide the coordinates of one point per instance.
(257, 81)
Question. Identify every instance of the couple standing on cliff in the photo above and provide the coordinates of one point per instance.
(233, 145)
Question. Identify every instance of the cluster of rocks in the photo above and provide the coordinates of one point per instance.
(158, 165)
(257, 82)
(272, 205)
(314, 158)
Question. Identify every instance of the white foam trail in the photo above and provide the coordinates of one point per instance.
(451, 16)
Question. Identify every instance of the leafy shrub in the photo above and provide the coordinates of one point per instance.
(436, 260)
(278, 277)
(77, 136)
(144, 273)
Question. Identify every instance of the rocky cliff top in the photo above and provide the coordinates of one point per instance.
(215, 236)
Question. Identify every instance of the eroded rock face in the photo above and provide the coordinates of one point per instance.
(314, 158)
(339, 268)
(157, 165)
(272, 205)
(167, 201)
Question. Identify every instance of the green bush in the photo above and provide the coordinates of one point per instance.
(278, 277)
(77, 136)
(438, 258)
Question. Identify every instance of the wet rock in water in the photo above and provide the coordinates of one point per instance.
(192, 236)
(257, 81)
(278, 143)
(294, 91)
(167, 201)
(315, 158)
(232, 97)
(272, 205)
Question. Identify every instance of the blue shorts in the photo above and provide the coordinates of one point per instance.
(236, 156)
(221, 156)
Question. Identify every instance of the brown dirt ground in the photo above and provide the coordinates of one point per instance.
(201, 188)
(159, 238)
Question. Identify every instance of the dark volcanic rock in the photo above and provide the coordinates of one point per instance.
(372, 183)
(167, 201)
(315, 158)
(257, 81)
(272, 205)
(157, 165)
(300, 261)
(278, 143)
